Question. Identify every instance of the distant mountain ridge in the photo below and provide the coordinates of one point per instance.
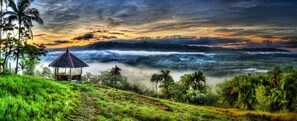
(150, 46)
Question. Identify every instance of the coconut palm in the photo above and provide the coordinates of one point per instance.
(22, 13)
(167, 82)
(200, 80)
(1, 19)
(275, 76)
(157, 79)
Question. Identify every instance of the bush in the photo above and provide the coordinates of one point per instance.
(113, 78)
(263, 98)
(273, 91)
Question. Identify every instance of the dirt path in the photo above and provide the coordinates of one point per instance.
(155, 103)
(87, 110)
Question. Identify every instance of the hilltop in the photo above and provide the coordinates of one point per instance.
(31, 98)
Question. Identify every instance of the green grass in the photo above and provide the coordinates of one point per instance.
(31, 98)
(115, 104)
(118, 105)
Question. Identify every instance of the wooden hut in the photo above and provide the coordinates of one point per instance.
(68, 67)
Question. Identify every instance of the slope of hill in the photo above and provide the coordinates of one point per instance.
(28, 98)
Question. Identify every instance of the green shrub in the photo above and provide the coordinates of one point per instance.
(273, 91)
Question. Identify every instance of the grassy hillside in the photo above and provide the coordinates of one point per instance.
(27, 98)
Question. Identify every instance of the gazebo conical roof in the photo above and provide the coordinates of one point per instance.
(68, 60)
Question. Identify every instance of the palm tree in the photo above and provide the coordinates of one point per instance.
(23, 14)
(115, 71)
(157, 79)
(1, 22)
(188, 81)
(289, 89)
(114, 74)
(275, 76)
(167, 82)
(1, 19)
(200, 80)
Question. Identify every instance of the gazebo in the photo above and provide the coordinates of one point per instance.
(68, 67)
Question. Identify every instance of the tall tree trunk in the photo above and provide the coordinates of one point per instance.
(5, 61)
(1, 29)
(157, 89)
(18, 48)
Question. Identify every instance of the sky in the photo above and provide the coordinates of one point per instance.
(228, 23)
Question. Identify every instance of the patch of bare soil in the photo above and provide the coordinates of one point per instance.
(158, 103)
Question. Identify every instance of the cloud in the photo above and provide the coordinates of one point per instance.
(188, 40)
(39, 35)
(290, 43)
(87, 36)
(229, 30)
(58, 42)
(62, 41)
(113, 22)
(92, 36)
(216, 41)
(244, 18)
(104, 37)
(246, 12)
(102, 31)
(117, 33)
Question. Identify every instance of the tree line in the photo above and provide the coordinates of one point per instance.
(16, 22)
(273, 91)
(191, 88)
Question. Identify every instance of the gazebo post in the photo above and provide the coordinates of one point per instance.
(55, 73)
(70, 75)
(80, 73)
